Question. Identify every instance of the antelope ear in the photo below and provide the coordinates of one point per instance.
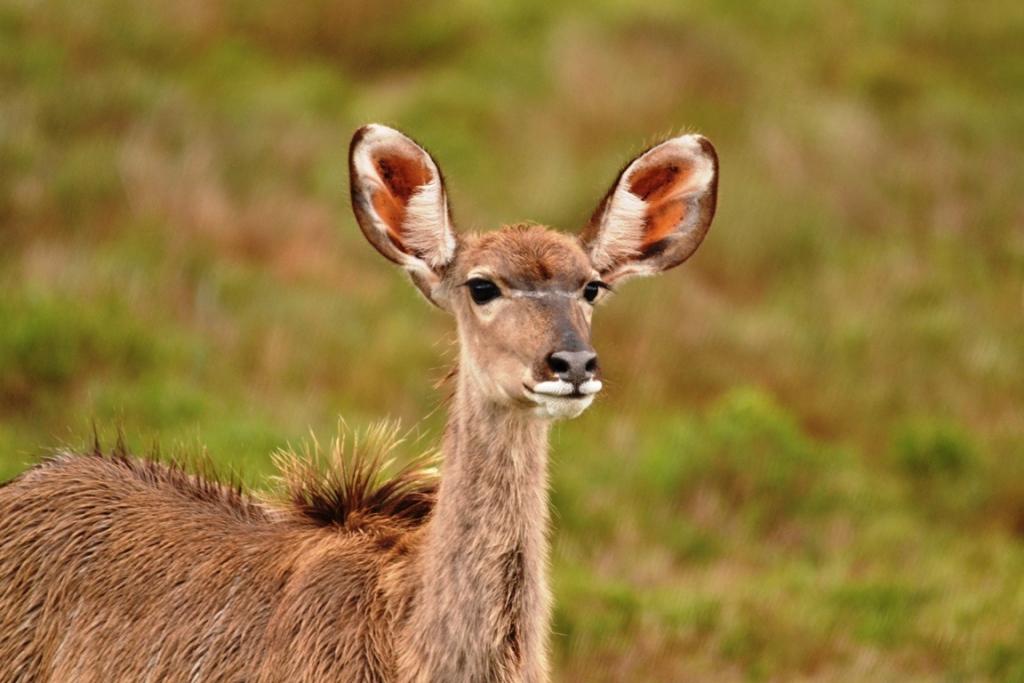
(657, 212)
(399, 200)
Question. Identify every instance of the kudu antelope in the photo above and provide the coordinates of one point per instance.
(121, 569)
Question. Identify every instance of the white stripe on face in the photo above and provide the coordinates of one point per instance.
(533, 294)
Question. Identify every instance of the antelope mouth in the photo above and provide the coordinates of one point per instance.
(560, 399)
(562, 389)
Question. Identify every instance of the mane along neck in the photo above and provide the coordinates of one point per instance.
(482, 610)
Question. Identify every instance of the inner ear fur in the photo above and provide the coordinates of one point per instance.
(402, 176)
(658, 210)
(401, 205)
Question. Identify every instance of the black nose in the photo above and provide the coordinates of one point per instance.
(575, 367)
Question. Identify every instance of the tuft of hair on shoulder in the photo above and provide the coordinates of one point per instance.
(356, 481)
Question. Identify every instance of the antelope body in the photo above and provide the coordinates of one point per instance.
(119, 569)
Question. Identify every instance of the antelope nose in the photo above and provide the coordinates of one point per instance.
(575, 367)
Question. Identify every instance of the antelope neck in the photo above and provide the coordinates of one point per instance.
(487, 545)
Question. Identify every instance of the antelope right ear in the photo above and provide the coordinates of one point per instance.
(657, 212)
(399, 200)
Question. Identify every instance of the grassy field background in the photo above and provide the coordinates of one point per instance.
(808, 464)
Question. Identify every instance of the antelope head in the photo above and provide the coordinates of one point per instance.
(523, 297)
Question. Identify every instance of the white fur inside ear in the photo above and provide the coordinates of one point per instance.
(621, 232)
(426, 227)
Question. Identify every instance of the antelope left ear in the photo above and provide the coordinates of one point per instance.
(401, 205)
(657, 212)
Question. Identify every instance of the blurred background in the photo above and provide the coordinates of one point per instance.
(808, 463)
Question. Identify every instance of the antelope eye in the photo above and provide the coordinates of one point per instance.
(483, 290)
(592, 289)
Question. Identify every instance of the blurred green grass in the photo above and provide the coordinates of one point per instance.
(809, 460)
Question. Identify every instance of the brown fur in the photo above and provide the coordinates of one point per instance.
(117, 569)
(132, 570)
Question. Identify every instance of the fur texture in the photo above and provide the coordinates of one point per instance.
(114, 568)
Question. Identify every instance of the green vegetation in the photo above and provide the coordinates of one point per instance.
(809, 461)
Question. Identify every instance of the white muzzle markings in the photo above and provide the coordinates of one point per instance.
(560, 387)
(559, 399)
